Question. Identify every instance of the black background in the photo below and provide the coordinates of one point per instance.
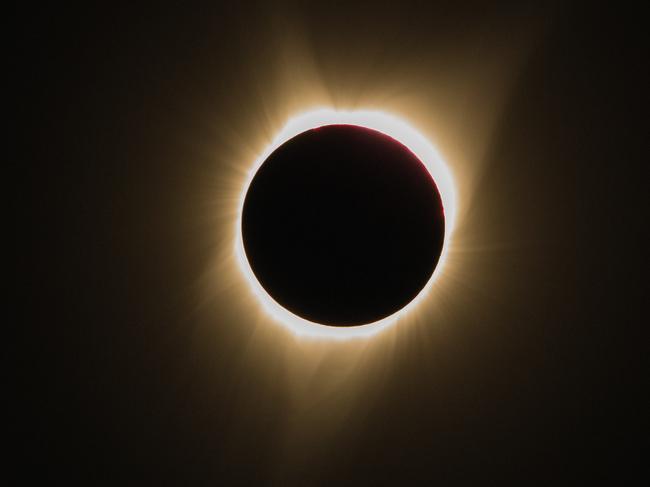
(538, 384)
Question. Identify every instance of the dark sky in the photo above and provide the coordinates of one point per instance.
(534, 376)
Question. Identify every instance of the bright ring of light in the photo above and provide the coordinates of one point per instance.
(400, 131)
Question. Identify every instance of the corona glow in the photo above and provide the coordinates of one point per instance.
(399, 130)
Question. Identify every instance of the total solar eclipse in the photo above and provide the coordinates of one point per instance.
(342, 225)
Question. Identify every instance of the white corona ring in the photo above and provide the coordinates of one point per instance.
(389, 125)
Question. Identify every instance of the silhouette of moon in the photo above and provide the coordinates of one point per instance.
(343, 225)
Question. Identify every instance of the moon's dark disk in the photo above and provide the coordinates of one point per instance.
(343, 225)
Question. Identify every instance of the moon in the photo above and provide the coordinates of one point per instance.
(343, 226)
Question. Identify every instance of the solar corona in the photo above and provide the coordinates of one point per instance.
(343, 223)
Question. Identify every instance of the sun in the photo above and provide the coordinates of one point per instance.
(389, 125)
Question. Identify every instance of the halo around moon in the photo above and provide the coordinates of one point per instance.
(382, 122)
